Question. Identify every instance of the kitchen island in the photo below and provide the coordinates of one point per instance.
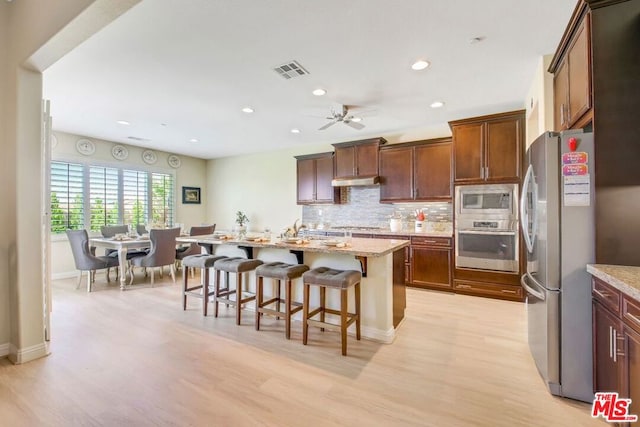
(380, 260)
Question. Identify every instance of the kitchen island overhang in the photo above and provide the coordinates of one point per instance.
(383, 296)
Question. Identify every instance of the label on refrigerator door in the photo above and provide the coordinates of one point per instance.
(568, 170)
(575, 157)
(577, 190)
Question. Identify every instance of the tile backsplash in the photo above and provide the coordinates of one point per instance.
(361, 207)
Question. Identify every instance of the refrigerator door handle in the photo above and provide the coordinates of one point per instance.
(524, 217)
(534, 292)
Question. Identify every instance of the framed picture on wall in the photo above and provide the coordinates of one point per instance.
(191, 195)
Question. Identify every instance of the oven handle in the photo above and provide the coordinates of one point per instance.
(482, 232)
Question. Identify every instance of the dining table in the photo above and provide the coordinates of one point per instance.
(122, 245)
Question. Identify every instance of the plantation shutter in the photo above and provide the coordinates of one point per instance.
(135, 190)
(103, 196)
(162, 200)
(67, 210)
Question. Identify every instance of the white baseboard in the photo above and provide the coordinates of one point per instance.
(4, 349)
(27, 354)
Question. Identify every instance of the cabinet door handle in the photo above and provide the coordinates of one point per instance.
(486, 172)
(611, 342)
(481, 172)
(417, 192)
(633, 317)
(561, 114)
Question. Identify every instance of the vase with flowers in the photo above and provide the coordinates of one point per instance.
(241, 220)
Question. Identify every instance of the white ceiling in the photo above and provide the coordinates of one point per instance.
(192, 66)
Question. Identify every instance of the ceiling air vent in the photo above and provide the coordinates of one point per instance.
(291, 69)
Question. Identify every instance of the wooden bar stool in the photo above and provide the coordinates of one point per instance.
(335, 279)
(204, 262)
(239, 266)
(278, 271)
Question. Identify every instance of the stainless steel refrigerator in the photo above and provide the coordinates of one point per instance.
(558, 224)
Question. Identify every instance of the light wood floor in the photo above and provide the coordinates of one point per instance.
(135, 358)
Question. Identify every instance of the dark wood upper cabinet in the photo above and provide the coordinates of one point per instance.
(357, 158)
(396, 174)
(488, 148)
(314, 175)
(419, 170)
(572, 77)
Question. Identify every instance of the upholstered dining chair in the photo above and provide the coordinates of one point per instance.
(141, 229)
(85, 260)
(162, 252)
(194, 248)
(111, 231)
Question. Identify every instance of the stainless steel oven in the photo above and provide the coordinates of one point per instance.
(487, 244)
(500, 200)
(486, 227)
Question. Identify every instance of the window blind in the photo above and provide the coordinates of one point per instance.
(67, 197)
(135, 196)
(162, 199)
(103, 196)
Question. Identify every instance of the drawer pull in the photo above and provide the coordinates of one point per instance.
(508, 291)
(601, 294)
(633, 317)
(464, 286)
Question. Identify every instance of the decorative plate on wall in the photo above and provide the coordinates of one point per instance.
(85, 147)
(149, 157)
(174, 161)
(119, 152)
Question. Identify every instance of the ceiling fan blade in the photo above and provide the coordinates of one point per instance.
(327, 125)
(354, 125)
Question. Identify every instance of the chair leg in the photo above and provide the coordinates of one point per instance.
(305, 313)
(184, 291)
(277, 283)
(357, 292)
(259, 283)
(153, 272)
(161, 271)
(323, 298)
(172, 270)
(89, 281)
(238, 298)
(287, 308)
(108, 277)
(131, 270)
(343, 319)
(205, 291)
(217, 292)
(79, 279)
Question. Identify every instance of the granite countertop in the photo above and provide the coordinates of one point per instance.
(358, 246)
(624, 278)
(387, 232)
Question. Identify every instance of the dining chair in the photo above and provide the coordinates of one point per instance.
(193, 248)
(141, 229)
(85, 260)
(112, 231)
(162, 252)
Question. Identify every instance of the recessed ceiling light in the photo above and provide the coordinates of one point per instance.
(420, 65)
(295, 130)
(163, 124)
(319, 92)
(475, 40)
(123, 122)
(193, 140)
(356, 119)
(247, 110)
(437, 104)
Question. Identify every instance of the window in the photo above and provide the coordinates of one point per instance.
(162, 200)
(67, 197)
(103, 197)
(99, 196)
(136, 200)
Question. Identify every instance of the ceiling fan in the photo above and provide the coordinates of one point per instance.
(343, 116)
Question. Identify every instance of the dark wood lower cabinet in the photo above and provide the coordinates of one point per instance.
(431, 262)
(616, 344)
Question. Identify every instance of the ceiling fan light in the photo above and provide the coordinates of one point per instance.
(420, 65)
(437, 104)
(193, 140)
(248, 110)
(356, 119)
(123, 122)
(295, 130)
(319, 92)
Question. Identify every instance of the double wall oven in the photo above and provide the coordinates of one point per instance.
(486, 227)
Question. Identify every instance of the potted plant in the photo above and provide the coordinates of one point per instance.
(241, 220)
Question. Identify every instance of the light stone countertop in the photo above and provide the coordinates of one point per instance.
(624, 278)
(358, 247)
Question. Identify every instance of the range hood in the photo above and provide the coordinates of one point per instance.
(355, 181)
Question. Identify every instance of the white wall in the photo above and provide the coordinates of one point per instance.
(539, 101)
(261, 185)
(4, 256)
(26, 27)
(191, 173)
